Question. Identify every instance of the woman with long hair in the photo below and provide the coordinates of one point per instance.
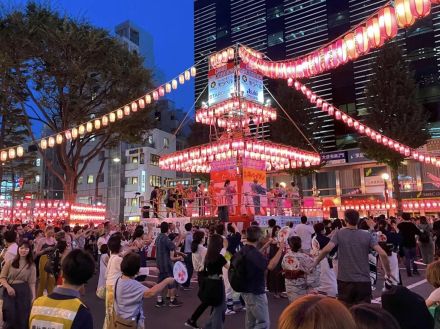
(18, 279)
(275, 279)
(43, 249)
(213, 266)
(198, 254)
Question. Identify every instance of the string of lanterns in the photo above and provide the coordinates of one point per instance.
(361, 128)
(407, 205)
(370, 34)
(103, 121)
(276, 156)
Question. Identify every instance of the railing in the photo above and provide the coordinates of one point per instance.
(236, 204)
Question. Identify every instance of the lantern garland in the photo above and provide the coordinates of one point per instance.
(241, 109)
(368, 35)
(103, 121)
(362, 129)
(277, 156)
(407, 205)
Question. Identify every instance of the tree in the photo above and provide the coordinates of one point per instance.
(283, 131)
(393, 111)
(71, 73)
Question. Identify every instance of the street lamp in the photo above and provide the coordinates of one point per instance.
(116, 160)
(385, 178)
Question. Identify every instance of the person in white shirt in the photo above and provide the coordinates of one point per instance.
(103, 239)
(305, 232)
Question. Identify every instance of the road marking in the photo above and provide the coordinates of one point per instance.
(416, 284)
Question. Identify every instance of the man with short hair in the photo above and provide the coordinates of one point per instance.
(408, 232)
(188, 254)
(164, 247)
(11, 248)
(305, 232)
(354, 285)
(63, 308)
(254, 295)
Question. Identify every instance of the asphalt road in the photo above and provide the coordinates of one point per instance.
(174, 318)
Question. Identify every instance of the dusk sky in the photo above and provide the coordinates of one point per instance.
(169, 22)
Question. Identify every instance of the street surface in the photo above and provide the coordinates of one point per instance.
(174, 318)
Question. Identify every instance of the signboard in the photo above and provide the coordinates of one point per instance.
(356, 155)
(334, 157)
(221, 85)
(420, 194)
(143, 181)
(251, 85)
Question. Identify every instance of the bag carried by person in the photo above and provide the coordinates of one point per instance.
(53, 264)
(237, 271)
(118, 322)
(211, 289)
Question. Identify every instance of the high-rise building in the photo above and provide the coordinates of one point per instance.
(284, 29)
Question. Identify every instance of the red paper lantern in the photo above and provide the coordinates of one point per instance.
(350, 45)
(373, 32)
(387, 22)
(361, 38)
(420, 8)
(404, 14)
(341, 51)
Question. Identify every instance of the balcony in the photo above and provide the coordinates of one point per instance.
(131, 187)
(131, 166)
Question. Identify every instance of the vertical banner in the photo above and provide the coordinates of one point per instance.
(254, 187)
(220, 172)
(221, 84)
(251, 85)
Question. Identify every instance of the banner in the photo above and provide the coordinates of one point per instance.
(254, 187)
(251, 85)
(220, 86)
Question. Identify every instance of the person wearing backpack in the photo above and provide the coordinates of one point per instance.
(426, 242)
(246, 275)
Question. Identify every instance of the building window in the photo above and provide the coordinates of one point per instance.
(134, 160)
(100, 178)
(275, 12)
(80, 179)
(90, 179)
(131, 202)
(275, 39)
(150, 140)
(155, 180)
(134, 36)
(222, 32)
(166, 143)
(338, 19)
(154, 159)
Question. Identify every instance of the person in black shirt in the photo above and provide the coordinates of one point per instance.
(234, 238)
(214, 263)
(408, 232)
(254, 295)
(154, 200)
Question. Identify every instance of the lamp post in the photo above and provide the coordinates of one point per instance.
(385, 178)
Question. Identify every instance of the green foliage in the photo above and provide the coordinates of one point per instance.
(393, 107)
(66, 72)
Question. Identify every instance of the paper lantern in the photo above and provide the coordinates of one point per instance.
(420, 8)
(51, 142)
(404, 15)
(141, 103)
(81, 130)
(181, 79)
(168, 87)
(194, 70)
(4, 156)
(350, 45)
(341, 51)
(148, 99)
(75, 133)
(361, 39)
(155, 95)
(89, 127)
(43, 144)
(112, 117)
(387, 22)
(126, 110)
(59, 139)
(97, 124)
(174, 84)
(187, 75)
(134, 107)
(373, 32)
(20, 151)
(119, 114)
(11, 153)
(161, 91)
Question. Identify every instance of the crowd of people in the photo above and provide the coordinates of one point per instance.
(327, 271)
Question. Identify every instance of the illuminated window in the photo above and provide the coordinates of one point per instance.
(154, 159)
(275, 38)
(155, 180)
(80, 179)
(90, 179)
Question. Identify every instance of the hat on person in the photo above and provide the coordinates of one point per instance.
(408, 308)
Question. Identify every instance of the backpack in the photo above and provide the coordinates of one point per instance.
(424, 236)
(53, 264)
(237, 271)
